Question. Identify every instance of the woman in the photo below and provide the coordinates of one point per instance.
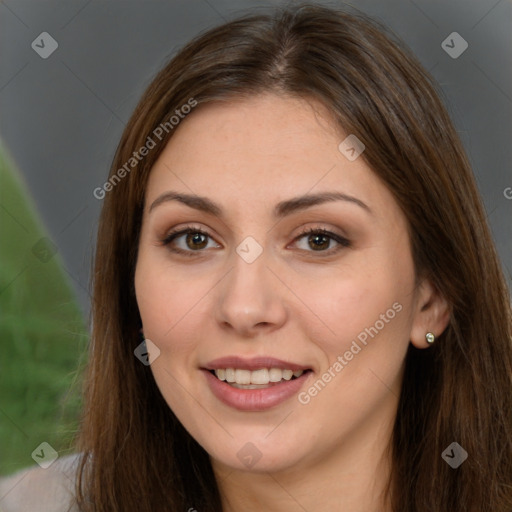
(292, 226)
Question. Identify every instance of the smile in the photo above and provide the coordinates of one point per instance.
(256, 379)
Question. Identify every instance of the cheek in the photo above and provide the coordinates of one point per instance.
(355, 305)
(168, 304)
(364, 337)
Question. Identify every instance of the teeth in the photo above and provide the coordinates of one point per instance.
(230, 375)
(287, 374)
(242, 376)
(257, 377)
(275, 374)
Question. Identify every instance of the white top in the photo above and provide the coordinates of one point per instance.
(41, 490)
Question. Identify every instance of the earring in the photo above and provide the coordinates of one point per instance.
(430, 338)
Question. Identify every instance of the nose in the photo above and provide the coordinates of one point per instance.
(250, 299)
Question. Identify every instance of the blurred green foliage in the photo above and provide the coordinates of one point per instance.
(43, 335)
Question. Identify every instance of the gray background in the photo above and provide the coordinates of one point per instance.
(61, 117)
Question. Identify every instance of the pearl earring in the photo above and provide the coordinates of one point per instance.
(430, 338)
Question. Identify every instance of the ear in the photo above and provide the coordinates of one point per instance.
(432, 314)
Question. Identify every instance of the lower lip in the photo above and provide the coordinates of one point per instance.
(254, 399)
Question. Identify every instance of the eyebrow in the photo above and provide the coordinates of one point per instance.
(282, 209)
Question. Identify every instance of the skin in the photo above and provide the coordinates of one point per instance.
(293, 302)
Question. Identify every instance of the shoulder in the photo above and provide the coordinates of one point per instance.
(44, 490)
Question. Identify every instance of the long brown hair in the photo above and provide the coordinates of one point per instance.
(136, 454)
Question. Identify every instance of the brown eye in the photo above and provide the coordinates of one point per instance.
(188, 241)
(319, 240)
(193, 241)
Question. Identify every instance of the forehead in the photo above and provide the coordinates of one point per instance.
(259, 150)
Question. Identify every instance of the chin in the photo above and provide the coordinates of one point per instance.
(258, 452)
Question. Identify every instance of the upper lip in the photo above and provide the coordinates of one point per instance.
(254, 363)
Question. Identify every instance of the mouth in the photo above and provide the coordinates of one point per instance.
(255, 384)
(262, 378)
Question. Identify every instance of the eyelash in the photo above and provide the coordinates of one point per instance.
(170, 237)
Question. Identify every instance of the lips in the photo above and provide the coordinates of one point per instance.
(230, 380)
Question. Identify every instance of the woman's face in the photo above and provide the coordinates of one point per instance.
(257, 299)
